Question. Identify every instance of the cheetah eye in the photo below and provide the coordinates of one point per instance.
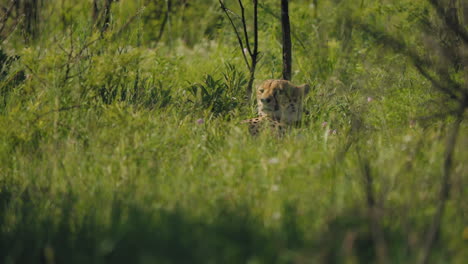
(261, 90)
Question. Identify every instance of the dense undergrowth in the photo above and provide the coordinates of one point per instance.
(120, 147)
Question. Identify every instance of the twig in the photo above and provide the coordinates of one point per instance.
(418, 61)
(44, 82)
(451, 23)
(6, 16)
(244, 25)
(295, 36)
(446, 84)
(106, 14)
(253, 54)
(286, 40)
(129, 21)
(61, 109)
(376, 229)
(163, 24)
(239, 39)
(445, 182)
(80, 52)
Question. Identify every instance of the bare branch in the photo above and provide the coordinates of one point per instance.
(286, 39)
(129, 21)
(440, 75)
(61, 109)
(6, 16)
(244, 25)
(445, 185)
(373, 212)
(107, 15)
(419, 62)
(43, 81)
(295, 36)
(255, 52)
(434, 82)
(12, 29)
(87, 45)
(95, 11)
(163, 26)
(239, 39)
(451, 23)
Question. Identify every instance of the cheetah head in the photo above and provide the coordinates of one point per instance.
(281, 100)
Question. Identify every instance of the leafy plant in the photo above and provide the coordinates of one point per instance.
(217, 95)
(9, 77)
(156, 94)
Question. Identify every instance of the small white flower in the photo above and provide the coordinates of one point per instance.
(277, 215)
(273, 161)
(369, 99)
(275, 188)
(407, 138)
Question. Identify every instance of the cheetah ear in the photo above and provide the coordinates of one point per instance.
(305, 88)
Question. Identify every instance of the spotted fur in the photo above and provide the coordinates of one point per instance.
(279, 105)
(281, 100)
(257, 124)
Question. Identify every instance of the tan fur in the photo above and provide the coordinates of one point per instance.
(281, 100)
(257, 124)
(279, 103)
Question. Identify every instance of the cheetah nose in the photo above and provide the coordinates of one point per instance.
(265, 101)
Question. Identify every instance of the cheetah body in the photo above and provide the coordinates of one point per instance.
(279, 105)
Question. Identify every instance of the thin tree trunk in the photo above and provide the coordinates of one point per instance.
(373, 211)
(286, 29)
(7, 15)
(95, 11)
(244, 44)
(164, 22)
(315, 8)
(107, 13)
(169, 22)
(251, 80)
(445, 187)
(254, 54)
(31, 11)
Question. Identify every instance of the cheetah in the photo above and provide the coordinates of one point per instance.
(258, 123)
(279, 105)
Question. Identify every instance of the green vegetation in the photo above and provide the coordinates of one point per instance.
(122, 142)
